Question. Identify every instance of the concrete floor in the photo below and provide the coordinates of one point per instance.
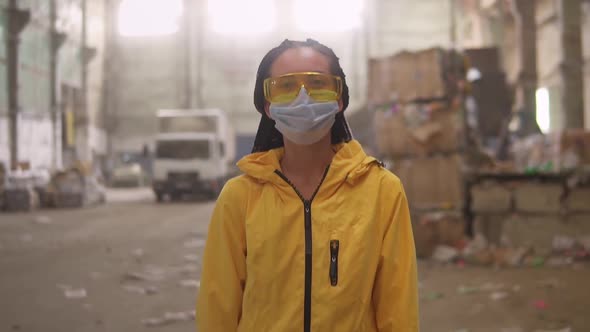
(104, 250)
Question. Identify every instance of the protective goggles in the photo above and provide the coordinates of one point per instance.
(320, 87)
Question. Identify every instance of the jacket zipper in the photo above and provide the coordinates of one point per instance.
(308, 246)
(334, 247)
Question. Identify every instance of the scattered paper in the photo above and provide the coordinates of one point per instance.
(194, 243)
(191, 258)
(149, 290)
(169, 318)
(191, 283)
(497, 296)
(43, 220)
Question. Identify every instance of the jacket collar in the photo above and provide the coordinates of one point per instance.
(349, 164)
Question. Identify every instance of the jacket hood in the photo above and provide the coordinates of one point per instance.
(349, 163)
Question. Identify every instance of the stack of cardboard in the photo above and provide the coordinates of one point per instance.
(417, 130)
(572, 148)
(438, 228)
(414, 76)
(432, 183)
(418, 123)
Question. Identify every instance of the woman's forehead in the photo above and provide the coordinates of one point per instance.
(301, 59)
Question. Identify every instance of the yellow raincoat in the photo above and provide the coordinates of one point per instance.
(344, 261)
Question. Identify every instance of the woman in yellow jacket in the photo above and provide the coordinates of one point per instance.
(316, 235)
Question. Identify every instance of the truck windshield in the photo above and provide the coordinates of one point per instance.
(183, 149)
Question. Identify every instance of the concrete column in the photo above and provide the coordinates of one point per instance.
(83, 119)
(56, 40)
(110, 78)
(572, 63)
(186, 50)
(526, 29)
(16, 20)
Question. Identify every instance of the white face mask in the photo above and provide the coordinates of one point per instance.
(304, 121)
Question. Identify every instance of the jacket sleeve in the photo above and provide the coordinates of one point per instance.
(395, 292)
(219, 303)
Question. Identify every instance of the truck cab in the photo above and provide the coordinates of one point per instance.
(192, 159)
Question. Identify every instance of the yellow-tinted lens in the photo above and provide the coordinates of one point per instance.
(320, 87)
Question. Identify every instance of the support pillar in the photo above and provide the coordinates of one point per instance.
(572, 62)
(16, 20)
(56, 40)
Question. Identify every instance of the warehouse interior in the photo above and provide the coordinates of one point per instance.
(480, 107)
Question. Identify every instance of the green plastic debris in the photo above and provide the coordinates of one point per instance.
(466, 290)
(538, 262)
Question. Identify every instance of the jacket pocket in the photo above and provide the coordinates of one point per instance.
(334, 249)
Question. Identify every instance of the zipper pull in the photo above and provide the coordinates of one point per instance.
(334, 247)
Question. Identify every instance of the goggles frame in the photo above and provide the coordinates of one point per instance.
(301, 84)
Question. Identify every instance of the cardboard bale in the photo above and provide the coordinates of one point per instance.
(578, 224)
(490, 227)
(434, 182)
(417, 130)
(379, 81)
(417, 75)
(491, 198)
(535, 231)
(578, 200)
(450, 227)
(433, 229)
(393, 136)
(390, 133)
(436, 124)
(572, 148)
(448, 138)
(425, 239)
(538, 198)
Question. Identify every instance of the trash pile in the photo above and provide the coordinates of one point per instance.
(25, 189)
(441, 237)
(444, 124)
(148, 280)
(500, 292)
(564, 150)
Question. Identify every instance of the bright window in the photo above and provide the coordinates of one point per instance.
(328, 15)
(149, 17)
(242, 17)
(543, 115)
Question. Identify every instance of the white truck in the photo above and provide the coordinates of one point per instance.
(194, 153)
